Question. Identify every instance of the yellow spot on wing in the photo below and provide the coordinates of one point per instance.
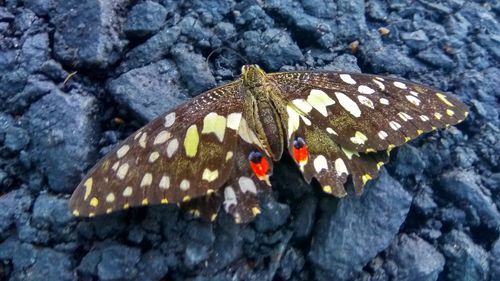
(379, 165)
(443, 98)
(94, 202)
(214, 123)
(209, 175)
(88, 188)
(255, 211)
(359, 138)
(365, 178)
(349, 153)
(450, 112)
(76, 213)
(145, 201)
(191, 141)
(186, 198)
(164, 201)
(327, 189)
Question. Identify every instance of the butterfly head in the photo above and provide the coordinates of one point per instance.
(253, 76)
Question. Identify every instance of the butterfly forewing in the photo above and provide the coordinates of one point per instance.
(367, 112)
(181, 155)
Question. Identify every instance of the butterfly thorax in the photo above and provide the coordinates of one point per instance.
(264, 104)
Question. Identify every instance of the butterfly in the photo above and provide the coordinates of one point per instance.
(218, 149)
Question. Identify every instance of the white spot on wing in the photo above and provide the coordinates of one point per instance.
(320, 163)
(319, 100)
(347, 79)
(122, 171)
(382, 135)
(229, 198)
(394, 125)
(400, 85)
(379, 84)
(384, 101)
(162, 137)
(359, 138)
(348, 104)
(233, 121)
(247, 185)
(413, 100)
(302, 105)
(172, 147)
(147, 179)
(365, 90)
(340, 167)
(164, 182)
(169, 119)
(184, 185)
(122, 151)
(366, 101)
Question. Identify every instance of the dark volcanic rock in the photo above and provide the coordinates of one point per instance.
(150, 90)
(145, 19)
(63, 132)
(417, 260)
(193, 70)
(464, 259)
(87, 32)
(346, 238)
(464, 188)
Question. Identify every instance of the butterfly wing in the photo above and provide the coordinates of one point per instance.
(364, 112)
(348, 121)
(184, 154)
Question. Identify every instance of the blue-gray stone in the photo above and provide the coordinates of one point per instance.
(416, 259)
(145, 18)
(464, 259)
(348, 237)
(193, 69)
(150, 90)
(51, 210)
(86, 32)
(63, 132)
(118, 262)
(464, 188)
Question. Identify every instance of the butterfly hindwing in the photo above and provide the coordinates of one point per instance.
(181, 155)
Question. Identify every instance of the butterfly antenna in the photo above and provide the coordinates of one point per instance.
(228, 50)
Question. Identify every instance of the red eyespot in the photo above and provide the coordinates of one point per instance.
(258, 163)
(300, 152)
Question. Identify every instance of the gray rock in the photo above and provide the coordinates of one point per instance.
(153, 50)
(35, 51)
(409, 162)
(417, 40)
(13, 205)
(145, 18)
(273, 215)
(63, 131)
(15, 137)
(272, 48)
(152, 266)
(495, 261)
(50, 265)
(193, 69)
(347, 237)
(118, 262)
(39, 7)
(87, 32)
(464, 259)
(51, 210)
(150, 90)
(463, 187)
(416, 259)
(436, 57)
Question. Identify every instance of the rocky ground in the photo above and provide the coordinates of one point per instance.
(76, 77)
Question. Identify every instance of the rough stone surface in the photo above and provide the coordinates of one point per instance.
(145, 18)
(87, 32)
(150, 90)
(416, 259)
(346, 238)
(63, 131)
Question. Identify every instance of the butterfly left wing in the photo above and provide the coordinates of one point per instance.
(184, 154)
